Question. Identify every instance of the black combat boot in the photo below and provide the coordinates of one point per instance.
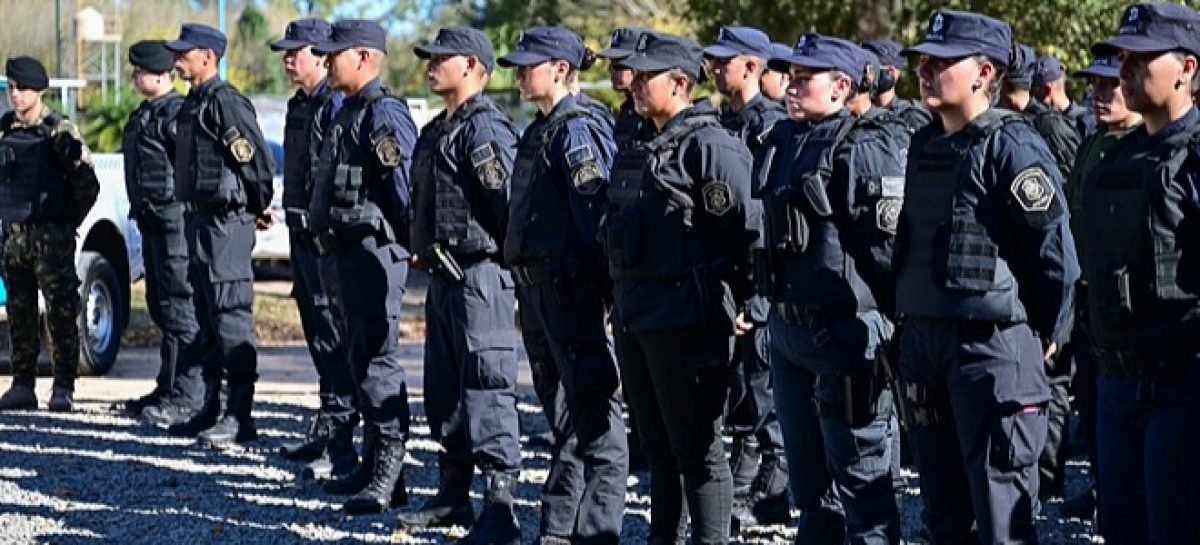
(497, 524)
(205, 418)
(743, 463)
(19, 397)
(357, 480)
(339, 457)
(386, 487)
(236, 426)
(135, 407)
(767, 501)
(312, 446)
(452, 504)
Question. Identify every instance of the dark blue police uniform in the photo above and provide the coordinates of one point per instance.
(559, 185)
(1140, 206)
(359, 210)
(751, 418)
(308, 117)
(223, 174)
(460, 176)
(985, 267)
(832, 190)
(148, 147)
(907, 110)
(678, 235)
(627, 124)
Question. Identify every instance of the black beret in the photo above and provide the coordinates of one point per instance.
(26, 72)
(152, 56)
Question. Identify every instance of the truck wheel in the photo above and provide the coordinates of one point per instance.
(100, 317)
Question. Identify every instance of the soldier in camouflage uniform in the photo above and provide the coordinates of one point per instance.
(47, 186)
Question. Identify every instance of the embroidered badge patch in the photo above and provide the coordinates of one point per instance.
(1033, 189)
(717, 199)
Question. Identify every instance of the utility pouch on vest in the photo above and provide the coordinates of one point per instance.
(624, 237)
(815, 195)
(786, 224)
(971, 261)
(347, 185)
(445, 265)
(856, 400)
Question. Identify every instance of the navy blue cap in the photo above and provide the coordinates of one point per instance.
(826, 53)
(1105, 66)
(1155, 27)
(623, 42)
(301, 33)
(353, 33)
(1021, 68)
(459, 40)
(739, 40)
(953, 34)
(152, 56)
(655, 52)
(26, 72)
(544, 43)
(197, 36)
(887, 51)
(1048, 70)
(779, 51)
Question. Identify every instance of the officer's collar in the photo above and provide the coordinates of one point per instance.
(567, 101)
(466, 104)
(699, 109)
(368, 91)
(208, 86)
(17, 124)
(1179, 125)
(164, 96)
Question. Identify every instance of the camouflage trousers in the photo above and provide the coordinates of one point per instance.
(42, 256)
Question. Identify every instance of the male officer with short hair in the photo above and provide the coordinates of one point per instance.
(460, 177)
(223, 173)
(47, 187)
(1049, 86)
(328, 445)
(629, 125)
(908, 110)
(359, 214)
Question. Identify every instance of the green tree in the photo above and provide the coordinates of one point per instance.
(104, 121)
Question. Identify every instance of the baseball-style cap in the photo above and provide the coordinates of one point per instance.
(887, 51)
(353, 33)
(539, 44)
(1047, 70)
(1021, 67)
(197, 36)
(1155, 27)
(301, 33)
(826, 53)
(26, 72)
(952, 34)
(656, 52)
(152, 56)
(622, 43)
(459, 40)
(1105, 66)
(778, 51)
(739, 40)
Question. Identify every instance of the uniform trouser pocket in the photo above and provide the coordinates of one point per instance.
(1018, 438)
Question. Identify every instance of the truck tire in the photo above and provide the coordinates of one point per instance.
(101, 314)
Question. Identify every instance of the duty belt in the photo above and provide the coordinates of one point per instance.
(209, 208)
(529, 275)
(800, 314)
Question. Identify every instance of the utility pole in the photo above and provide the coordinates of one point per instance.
(58, 38)
(221, 26)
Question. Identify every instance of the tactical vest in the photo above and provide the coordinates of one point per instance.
(628, 125)
(345, 163)
(447, 207)
(33, 185)
(302, 134)
(743, 125)
(1136, 272)
(539, 222)
(947, 264)
(650, 229)
(805, 249)
(202, 174)
(149, 153)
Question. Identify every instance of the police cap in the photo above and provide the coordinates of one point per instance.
(27, 73)
(539, 44)
(622, 43)
(655, 52)
(459, 40)
(152, 56)
(353, 33)
(826, 53)
(953, 34)
(197, 36)
(301, 33)
(1155, 27)
(1105, 66)
(888, 51)
(739, 40)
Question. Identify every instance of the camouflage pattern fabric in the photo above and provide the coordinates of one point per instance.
(42, 256)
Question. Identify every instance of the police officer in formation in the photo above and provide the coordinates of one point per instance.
(984, 266)
(460, 177)
(1140, 208)
(359, 214)
(223, 176)
(1114, 120)
(559, 187)
(628, 124)
(328, 445)
(47, 187)
(736, 61)
(1049, 86)
(678, 235)
(1055, 129)
(832, 189)
(908, 110)
(774, 83)
(148, 147)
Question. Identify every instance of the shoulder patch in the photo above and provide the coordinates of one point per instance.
(487, 165)
(717, 198)
(887, 214)
(387, 149)
(579, 154)
(1033, 189)
(242, 150)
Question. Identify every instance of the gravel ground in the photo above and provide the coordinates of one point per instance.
(95, 476)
